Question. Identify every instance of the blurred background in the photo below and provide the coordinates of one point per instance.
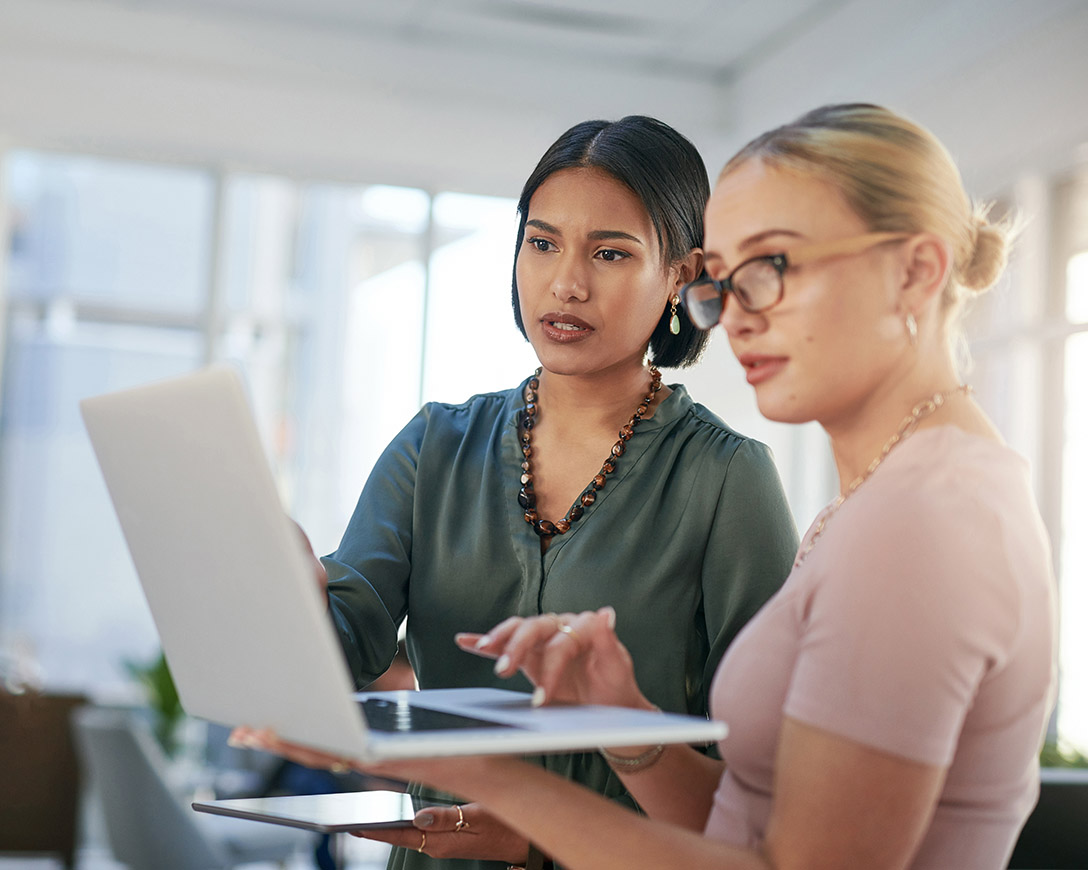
(322, 192)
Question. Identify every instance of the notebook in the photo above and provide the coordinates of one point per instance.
(242, 623)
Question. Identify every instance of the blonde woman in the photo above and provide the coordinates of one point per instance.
(887, 705)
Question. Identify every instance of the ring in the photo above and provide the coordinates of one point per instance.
(461, 823)
(423, 842)
(569, 632)
(339, 767)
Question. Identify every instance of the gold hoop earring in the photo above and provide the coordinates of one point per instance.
(912, 329)
(674, 321)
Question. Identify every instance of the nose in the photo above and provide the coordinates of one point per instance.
(569, 280)
(736, 321)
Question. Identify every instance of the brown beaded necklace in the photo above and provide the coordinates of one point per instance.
(526, 496)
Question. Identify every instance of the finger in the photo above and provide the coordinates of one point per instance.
(438, 819)
(493, 643)
(572, 641)
(477, 644)
(406, 838)
(526, 643)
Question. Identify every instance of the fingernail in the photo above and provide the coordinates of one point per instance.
(609, 612)
(502, 664)
(538, 696)
(483, 641)
(423, 820)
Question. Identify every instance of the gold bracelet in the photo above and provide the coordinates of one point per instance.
(634, 763)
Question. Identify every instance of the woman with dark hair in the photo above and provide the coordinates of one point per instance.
(503, 506)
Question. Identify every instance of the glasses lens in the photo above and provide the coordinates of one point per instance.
(702, 302)
(758, 285)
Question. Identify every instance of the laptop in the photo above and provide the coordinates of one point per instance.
(242, 623)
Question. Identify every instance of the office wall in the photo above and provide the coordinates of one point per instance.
(1002, 82)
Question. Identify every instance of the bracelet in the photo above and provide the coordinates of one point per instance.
(634, 763)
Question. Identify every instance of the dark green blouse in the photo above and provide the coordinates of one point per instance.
(689, 537)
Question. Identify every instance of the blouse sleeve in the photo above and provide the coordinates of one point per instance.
(750, 550)
(369, 571)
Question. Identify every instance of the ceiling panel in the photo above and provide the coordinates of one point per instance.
(700, 39)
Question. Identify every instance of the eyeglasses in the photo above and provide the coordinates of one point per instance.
(757, 283)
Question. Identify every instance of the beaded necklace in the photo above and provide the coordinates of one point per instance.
(906, 427)
(526, 496)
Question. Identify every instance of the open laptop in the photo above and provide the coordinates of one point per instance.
(242, 622)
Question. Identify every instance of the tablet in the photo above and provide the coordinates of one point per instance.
(325, 813)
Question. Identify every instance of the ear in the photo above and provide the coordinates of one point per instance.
(685, 271)
(927, 261)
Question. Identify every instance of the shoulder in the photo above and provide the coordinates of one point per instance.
(445, 425)
(946, 526)
(482, 406)
(700, 427)
(946, 485)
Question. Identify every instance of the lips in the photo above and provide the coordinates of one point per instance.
(759, 367)
(564, 327)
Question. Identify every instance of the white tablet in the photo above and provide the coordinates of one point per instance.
(325, 813)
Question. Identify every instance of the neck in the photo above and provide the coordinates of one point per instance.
(599, 398)
(860, 432)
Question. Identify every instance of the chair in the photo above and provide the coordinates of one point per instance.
(39, 774)
(148, 825)
(1055, 836)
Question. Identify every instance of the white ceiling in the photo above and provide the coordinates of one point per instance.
(694, 39)
(465, 94)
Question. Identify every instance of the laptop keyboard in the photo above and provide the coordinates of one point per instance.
(385, 715)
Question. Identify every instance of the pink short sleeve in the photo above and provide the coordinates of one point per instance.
(903, 622)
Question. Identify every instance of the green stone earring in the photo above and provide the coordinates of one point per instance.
(674, 321)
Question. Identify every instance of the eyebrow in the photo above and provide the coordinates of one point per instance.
(751, 242)
(596, 235)
(759, 238)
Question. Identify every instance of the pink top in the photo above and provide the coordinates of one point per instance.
(922, 624)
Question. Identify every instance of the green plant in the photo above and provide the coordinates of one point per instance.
(1057, 753)
(162, 696)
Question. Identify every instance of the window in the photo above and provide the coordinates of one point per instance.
(1030, 348)
(344, 305)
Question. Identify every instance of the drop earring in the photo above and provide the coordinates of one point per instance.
(674, 321)
(912, 328)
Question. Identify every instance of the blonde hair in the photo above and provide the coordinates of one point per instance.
(897, 177)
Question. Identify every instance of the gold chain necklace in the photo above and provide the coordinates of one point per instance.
(526, 496)
(909, 424)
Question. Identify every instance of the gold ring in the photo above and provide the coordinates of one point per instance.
(461, 823)
(423, 842)
(339, 767)
(569, 632)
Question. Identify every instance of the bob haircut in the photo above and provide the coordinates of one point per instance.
(666, 173)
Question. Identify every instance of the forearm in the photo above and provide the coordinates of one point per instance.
(678, 788)
(581, 829)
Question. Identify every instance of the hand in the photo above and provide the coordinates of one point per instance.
(266, 740)
(321, 576)
(573, 658)
(480, 837)
(445, 774)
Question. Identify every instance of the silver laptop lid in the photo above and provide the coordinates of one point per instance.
(241, 621)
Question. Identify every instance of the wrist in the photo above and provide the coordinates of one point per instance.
(639, 761)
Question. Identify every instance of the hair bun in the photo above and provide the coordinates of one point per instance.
(990, 253)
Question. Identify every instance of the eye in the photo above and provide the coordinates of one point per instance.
(611, 255)
(542, 245)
